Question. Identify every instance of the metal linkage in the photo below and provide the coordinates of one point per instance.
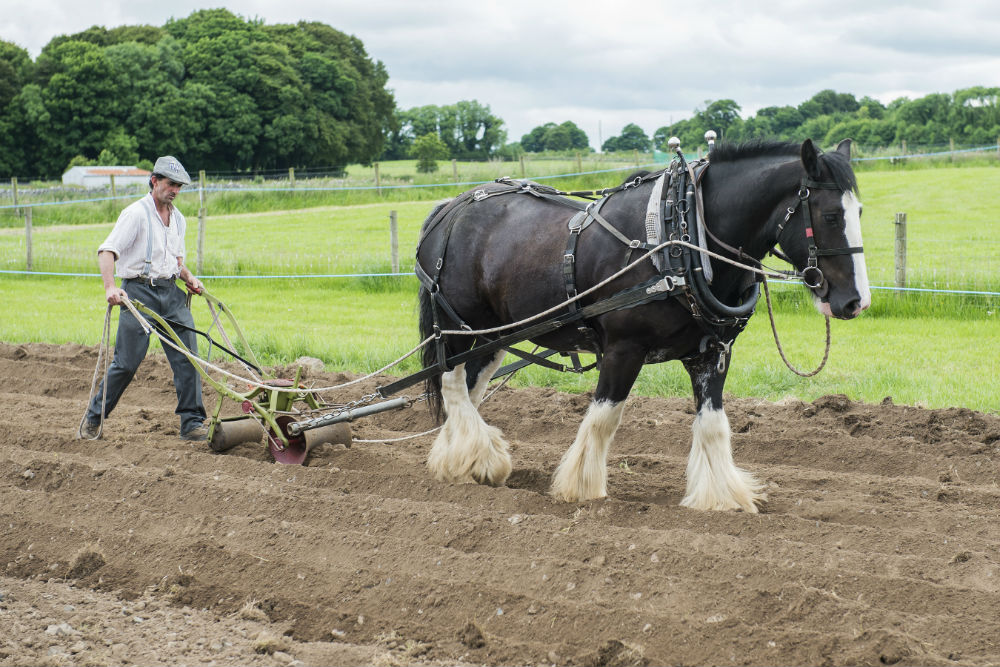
(296, 428)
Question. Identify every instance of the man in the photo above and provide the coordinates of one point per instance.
(146, 250)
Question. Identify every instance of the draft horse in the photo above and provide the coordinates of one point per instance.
(505, 252)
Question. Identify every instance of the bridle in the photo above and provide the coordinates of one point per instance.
(812, 275)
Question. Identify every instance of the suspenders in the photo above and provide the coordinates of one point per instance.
(148, 262)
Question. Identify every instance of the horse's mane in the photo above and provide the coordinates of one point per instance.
(839, 166)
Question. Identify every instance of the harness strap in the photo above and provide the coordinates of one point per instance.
(849, 250)
(438, 299)
(594, 210)
(576, 226)
(541, 360)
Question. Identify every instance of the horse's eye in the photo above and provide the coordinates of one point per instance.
(831, 218)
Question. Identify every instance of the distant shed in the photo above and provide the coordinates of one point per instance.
(96, 177)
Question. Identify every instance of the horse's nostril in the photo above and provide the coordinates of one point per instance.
(852, 308)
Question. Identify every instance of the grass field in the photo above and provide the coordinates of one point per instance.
(922, 360)
(934, 349)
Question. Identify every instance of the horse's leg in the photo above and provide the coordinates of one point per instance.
(583, 472)
(467, 449)
(713, 480)
(480, 371)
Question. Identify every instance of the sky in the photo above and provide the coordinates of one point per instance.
(605, 64)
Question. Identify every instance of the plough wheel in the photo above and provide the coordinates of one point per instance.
(298, 446)
(229, 434)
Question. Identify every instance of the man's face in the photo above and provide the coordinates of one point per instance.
(164, 190)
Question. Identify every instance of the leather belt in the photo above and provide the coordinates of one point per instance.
(153, 282)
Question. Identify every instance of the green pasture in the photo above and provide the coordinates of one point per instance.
(953, 226)
(358, 325)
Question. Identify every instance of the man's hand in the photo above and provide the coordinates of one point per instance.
(116, 295)
(194, 285)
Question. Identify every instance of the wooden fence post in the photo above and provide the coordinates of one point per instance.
(579, 163)
(378, 182)
(201, 221)
(291, 176)
(394, 241)
(522, 165)
(27, 234)
(17, 211)
(900, 253)
(454, 168)
(111, 203)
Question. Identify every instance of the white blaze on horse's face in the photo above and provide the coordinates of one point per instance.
(852, 220)
(852, 230)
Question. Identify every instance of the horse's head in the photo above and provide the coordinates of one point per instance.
(821, 233)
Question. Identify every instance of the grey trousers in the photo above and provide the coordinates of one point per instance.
(169, 302)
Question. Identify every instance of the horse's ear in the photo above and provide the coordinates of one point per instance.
(844, 148)
(810, 159)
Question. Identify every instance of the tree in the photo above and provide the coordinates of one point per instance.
(631, 138)
(16, 141)
(533, 141)
(352, 109)
(552, 137)
(723, 116)
(15, 71)
(472, 131)
(80, 102)
(827, 102)
(468, 129)
(119, 148)
(428, 149)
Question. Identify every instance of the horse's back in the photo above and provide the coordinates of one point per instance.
(500, 257)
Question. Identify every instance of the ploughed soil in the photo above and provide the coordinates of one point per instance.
(880, 543)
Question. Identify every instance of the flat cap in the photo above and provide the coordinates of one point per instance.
(170, 167)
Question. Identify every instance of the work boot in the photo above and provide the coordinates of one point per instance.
(199, 432)
(90, 430)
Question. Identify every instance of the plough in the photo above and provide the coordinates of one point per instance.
(292, 417)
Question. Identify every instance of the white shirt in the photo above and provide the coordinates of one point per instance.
(129, 237)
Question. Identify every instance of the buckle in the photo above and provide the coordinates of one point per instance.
(666, 284)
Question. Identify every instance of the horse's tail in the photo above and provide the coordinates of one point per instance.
(430, 352)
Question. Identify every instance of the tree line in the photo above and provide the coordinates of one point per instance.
(219, 91)
(970, 116)
(225, 94)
